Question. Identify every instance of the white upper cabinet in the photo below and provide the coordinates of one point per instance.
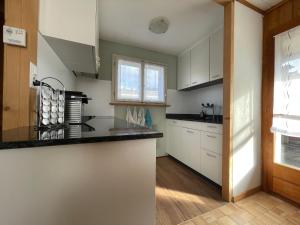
(203, 62)
(71, 29)
(184, 70)
(200, 63)
(216, 54)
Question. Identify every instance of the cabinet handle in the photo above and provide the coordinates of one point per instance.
(174, 121)
(216, 76)
(212, 127)
(211, 136)
(211, 156)
(190, 132)
(195, 82)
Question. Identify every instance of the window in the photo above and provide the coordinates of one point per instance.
(138, 81)
(286, 112)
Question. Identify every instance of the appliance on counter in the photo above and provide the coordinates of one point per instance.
(51, 103)
(60, 113)
(74, 107)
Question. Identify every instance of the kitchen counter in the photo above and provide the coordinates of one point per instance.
(95, 129)
(218, 119)
(81, 174)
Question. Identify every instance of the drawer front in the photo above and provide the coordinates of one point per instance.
(191, 125)
(174, 122)
(211, 166)
(186, 124)
(211, 142)
(213, 128)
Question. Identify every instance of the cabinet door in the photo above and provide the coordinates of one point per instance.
(174, 141)
(184, 70)
(211, 166)
(71, 20)
(191, 149)
(216, 55)
(200, 63)
(212, 142)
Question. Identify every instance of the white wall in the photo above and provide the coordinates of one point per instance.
(100, 92)
(247, 99)
(48, 64)
(189, 102)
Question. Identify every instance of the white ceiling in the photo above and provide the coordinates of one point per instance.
(127, 22)
(264, 4)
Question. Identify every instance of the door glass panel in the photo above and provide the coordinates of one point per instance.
(287, 150)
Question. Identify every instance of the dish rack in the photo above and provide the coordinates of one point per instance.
(51, 113)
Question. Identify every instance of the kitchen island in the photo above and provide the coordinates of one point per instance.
(100, 172)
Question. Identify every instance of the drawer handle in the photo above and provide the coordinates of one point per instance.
(175, 122)
(212, 127)
(195, 82)
(211, 136)
(210, 155)
(190, 132)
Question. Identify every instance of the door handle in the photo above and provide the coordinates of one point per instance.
(211, 136)
(211, 156)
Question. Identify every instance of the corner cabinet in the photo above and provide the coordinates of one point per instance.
(216, 54)
(203, 62)
(197, 145)
(71, 29)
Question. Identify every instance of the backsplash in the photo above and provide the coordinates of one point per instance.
(189, 102)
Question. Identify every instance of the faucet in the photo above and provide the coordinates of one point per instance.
(210, 106)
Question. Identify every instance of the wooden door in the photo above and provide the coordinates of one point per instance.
(281, 171)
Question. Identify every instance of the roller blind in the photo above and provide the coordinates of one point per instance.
(286, 111)
(154, 83)
(129, 80)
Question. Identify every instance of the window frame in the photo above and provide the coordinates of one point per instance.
(143, 62)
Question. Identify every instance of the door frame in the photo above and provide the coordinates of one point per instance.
(228, 98)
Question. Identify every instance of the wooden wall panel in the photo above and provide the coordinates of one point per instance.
(16, 92)
(281, 18)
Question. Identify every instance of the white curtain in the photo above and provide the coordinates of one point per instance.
(286, 112)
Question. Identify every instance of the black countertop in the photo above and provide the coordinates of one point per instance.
(95, 129)
(218, 119)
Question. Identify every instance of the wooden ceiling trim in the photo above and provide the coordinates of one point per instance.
(251, 6)
(276, 6)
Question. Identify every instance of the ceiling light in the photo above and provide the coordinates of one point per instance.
(159, 25)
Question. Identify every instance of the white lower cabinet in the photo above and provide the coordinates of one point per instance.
(191, 148)
(197, 147)
(174, 142)
(211, 164)
(211, 142)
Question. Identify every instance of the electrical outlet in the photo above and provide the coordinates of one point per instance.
(32, 73)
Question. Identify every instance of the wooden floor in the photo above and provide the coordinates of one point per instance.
(181, 194)
(259, 209)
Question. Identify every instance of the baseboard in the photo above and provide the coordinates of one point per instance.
(161, 156)
(246, 194)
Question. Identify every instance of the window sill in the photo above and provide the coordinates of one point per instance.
(140, 104)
